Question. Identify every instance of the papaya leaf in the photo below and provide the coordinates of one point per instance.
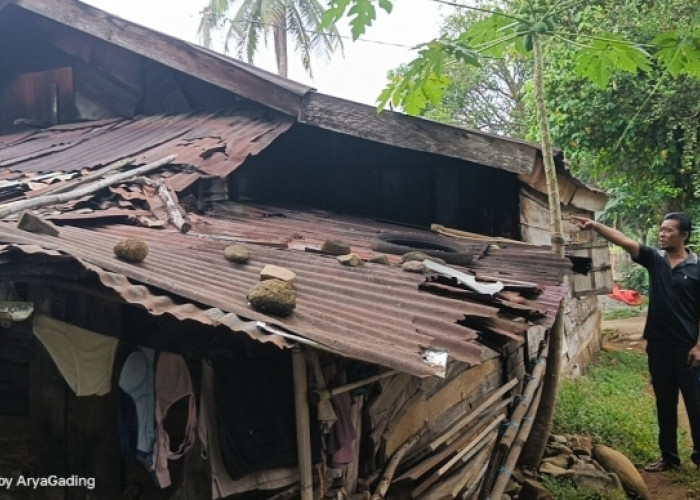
(606, 54)
(484, 35)
(362, 14)
(679, 53)
(335, 11)
(386, 5)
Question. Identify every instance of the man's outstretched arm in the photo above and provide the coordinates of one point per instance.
(612, 235)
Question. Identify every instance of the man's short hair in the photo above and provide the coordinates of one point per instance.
(685, 225)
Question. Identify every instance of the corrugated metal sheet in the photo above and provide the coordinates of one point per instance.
(215, 144)
(374, 313)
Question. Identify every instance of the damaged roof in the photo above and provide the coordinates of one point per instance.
(212, 143)
(78, 25)
(374, 313)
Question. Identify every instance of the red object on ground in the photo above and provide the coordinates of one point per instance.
(631, 297)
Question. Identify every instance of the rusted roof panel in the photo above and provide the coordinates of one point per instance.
(214, 144)
(375, 313)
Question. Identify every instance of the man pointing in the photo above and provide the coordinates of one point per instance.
(671, 330)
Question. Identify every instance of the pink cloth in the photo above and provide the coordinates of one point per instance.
(173, 383)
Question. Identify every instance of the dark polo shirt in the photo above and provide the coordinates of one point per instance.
(674, 298)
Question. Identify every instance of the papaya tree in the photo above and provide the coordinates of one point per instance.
(528, 26)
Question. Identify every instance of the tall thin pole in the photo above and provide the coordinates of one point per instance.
(301, 405)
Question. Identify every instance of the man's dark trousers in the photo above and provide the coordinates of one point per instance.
(669, 370)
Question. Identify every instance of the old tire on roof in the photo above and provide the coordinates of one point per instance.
(400, 244)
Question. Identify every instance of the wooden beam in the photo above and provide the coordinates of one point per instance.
(486, 405)
(396, 129)
(174, 211)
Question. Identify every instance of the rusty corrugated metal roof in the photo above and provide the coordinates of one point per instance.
(215, 144)
(374, 313)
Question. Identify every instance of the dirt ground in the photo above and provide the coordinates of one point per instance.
(626, 334)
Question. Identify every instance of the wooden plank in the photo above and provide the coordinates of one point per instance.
(465, 477)
(497, 394)
(352, 471)
(396, 129)
(455, 442)
(478, 439)
(471, 444)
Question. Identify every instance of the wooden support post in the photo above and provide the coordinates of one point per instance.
(301, 404)
(176, 217)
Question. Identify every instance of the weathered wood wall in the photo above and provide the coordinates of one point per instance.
(582, 318)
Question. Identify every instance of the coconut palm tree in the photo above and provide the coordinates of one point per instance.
(300, 19)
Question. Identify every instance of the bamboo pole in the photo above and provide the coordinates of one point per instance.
(301, 405)
(525, 402)
(69, 186)
(40, 201)
(176, 217)
(506, 470)
(388, 475)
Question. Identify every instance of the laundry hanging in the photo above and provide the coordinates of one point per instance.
(83, 357)
(137, 379)
(173, 383)
(222, 484)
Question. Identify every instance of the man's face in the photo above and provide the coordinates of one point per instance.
(670, 237)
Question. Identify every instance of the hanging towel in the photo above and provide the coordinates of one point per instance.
(222, 484)
(84, 358)
(173, 383)
(137, 379)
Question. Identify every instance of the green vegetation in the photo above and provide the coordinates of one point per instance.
(688, 476)
(613, 404)
(564, 490)
(630, 312)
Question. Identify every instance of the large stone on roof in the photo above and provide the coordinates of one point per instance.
(335, 247)
(274, 297)
(351, 259)
(237, 253)
(131, 250)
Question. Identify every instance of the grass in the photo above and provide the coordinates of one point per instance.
(631, 312)
(688, 476)
(612, 403)
(564, 490)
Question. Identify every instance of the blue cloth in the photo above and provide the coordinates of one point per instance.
(137, 379)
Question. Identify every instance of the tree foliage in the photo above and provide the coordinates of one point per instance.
(636, 137)
(487, 97)
(251, 20)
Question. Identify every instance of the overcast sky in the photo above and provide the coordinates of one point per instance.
(360, 76)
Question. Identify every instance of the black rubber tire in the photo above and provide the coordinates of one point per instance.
(399, 244)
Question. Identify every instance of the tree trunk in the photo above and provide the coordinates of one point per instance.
(541, 428)
(280, 36)
(547, 155)
(207, 24)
